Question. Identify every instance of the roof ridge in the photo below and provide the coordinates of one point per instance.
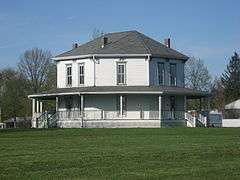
(164, 46)
(143, 42)
(118, 32)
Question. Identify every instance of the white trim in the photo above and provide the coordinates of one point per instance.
(37, 106)
(100, 55)
(94, 71)
(81, 104)
(33, 106)
(57, 104)
(123, 92)
(160, 107)
(106, 92)
(41, 107)
(121, 106)
(67, 76)
(124, 63)
(81, 65)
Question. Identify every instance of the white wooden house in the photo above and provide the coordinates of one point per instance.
(123, 79)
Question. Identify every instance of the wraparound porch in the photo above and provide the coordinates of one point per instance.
(152, 108)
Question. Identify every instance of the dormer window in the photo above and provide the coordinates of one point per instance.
(121, 73)
(173, 74)
(161, 71)
(69, 75)
(81, 74)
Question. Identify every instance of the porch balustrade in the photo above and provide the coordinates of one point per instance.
(111, 115)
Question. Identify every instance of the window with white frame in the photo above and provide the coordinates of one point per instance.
(161, 71)
(69, 75)
(81, 74)
(173, 74)
(121, 73)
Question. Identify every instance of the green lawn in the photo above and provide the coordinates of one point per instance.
(167, 153)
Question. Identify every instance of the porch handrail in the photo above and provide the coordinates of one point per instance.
(138, 114)
(42, 120)
(202, 119)
(190, 118)
(52, 120)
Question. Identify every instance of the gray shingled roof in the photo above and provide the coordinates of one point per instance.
(167, 90)
(129, 42)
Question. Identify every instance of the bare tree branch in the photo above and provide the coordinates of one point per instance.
(34, 65)
(197, 75)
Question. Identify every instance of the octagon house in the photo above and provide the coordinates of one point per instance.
(122, 79)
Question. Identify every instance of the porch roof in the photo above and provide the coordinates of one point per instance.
(165, 90)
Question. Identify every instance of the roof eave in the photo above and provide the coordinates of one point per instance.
(98, 55)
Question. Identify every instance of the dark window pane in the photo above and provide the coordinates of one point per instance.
(161, 73)
(173, 74)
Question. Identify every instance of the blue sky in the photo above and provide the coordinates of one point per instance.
(207, 29)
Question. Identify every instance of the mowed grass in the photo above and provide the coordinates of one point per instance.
(167, 153)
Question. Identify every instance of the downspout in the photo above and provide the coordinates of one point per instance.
(94, 71)
(149, 77)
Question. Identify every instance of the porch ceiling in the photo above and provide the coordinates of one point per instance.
(165, 90)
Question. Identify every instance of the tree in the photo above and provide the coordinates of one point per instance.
(197, 75)
(217, 99)
(35, 66)
(96, 33)
(1, 95)
(14, 98)
(231, 79)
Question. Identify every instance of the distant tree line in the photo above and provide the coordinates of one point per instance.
(224, 89)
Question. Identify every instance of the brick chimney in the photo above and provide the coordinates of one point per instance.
(167, 42)
(104, 41)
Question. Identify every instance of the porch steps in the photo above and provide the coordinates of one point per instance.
(195, 121)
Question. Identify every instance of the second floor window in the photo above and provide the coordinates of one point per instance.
(81, 74)
(121, 73)
(161, 73)
(69, 75)
(173, 74)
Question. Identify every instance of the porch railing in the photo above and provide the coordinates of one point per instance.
(111, 115)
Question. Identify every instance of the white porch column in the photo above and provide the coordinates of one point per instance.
(160, 107)
(33, 113)
(121, 105)
(56, 104)
(41, 106)
(82, 103)
(37, 106)
(33, 107)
